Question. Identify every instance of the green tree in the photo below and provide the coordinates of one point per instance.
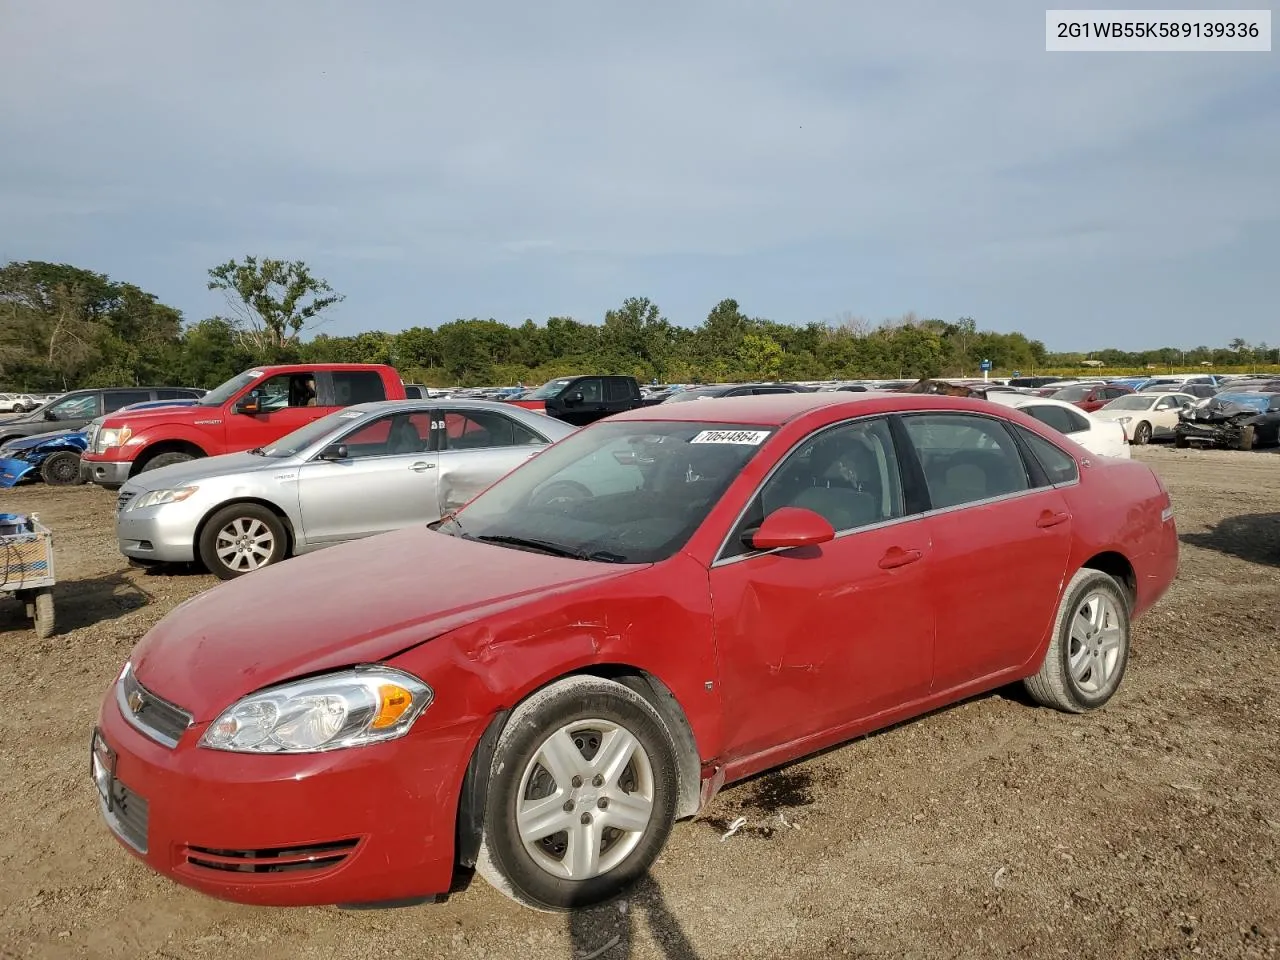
(274, 301)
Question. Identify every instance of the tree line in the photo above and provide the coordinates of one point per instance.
(62, 327)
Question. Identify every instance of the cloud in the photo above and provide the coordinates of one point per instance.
(526, 160)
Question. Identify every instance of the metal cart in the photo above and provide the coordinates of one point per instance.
(26, 570)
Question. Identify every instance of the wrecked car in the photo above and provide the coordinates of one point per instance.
(1239, 421)
(53, 457)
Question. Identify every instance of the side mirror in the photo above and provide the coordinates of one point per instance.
(334, 451)
(792, 527)
(247, 405)
(573, 398)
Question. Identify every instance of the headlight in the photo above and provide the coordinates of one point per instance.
(115, 437)
(153, 498)
(350, 708)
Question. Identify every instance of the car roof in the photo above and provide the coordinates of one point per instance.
(775, 409)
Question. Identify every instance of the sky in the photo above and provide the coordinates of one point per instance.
(809, 158)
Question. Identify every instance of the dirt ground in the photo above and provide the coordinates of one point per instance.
(1149, 829)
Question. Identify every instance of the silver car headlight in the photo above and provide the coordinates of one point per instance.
(350, 708)
(154, 498)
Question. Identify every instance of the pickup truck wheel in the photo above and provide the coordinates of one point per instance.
(164, 460)
(240, 539)
(61, 469)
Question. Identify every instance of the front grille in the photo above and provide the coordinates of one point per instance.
(127, 816)
(314, 856)
(157, 718)
(122, 501)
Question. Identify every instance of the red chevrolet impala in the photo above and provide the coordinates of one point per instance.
(667, 601)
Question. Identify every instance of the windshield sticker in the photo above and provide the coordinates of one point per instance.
(752, 438)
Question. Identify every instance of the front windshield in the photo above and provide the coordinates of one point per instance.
(550, 389)
(625, 492)
(292, 444)
(1071, 394)
(224, 392)
(1131, 401)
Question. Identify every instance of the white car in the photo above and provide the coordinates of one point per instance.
(1103, 437)
(1146, 416)
(17, 402)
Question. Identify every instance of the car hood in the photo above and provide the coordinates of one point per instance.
(36, 439)
(359, 602)
(203, 469)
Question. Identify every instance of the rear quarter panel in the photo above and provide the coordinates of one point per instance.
(1119, 506)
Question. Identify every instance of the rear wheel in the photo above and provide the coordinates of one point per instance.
(1089, 651)
(1142, 433)
(240, 539)
(582, 795)
(61, 469)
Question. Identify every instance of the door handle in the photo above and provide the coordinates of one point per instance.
(1048, 519)
(421, 466)
(897, 557)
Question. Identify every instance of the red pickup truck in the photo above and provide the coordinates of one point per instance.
(254, 408)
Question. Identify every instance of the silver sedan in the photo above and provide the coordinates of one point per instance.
(364, 470)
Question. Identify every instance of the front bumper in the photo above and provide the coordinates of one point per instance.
(163, 534)
(364, 825)
(1226, 434)
(107, 473)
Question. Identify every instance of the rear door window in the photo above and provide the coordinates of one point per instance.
(966, 458)
(1058, 466)
(618, 389)
(356, 386)
(115, 399)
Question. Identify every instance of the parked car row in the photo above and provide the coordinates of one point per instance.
(626, 617)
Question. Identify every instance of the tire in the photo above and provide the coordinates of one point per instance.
(1142, 433)
(261, 535)
(164, 460)
(539, 872)
(1246, 438)
(1076, 634)
(44, 613)
(61, 469)
(1181, 442)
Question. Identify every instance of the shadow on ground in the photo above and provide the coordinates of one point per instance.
(608, 931)
(1254, 537)
(80, 603)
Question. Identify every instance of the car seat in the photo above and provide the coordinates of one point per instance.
(403, 438)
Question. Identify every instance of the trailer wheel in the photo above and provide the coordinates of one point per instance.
(44, 613)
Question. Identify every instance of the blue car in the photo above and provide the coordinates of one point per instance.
(55, 456)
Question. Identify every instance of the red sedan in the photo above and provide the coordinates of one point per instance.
(1090, 396)
(665, 602)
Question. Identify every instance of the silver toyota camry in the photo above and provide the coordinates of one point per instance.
(364, 470)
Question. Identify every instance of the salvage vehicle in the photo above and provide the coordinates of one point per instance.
(1096, 435)
(74, 410)
(538, 686)
(1147, 416)
(1240, 421)
(360, 471)
(53, 457)
(253, 408)
(583, 400)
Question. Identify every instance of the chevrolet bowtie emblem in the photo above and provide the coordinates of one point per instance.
(135, 702)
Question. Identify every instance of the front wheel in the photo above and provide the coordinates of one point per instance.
(582, 795)
(1089, 651)
(164, 460)
(61, 469)
(240, 539)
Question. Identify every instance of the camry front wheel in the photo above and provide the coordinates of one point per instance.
(582, 795)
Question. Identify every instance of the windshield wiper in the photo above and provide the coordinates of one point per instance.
(552, 548)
